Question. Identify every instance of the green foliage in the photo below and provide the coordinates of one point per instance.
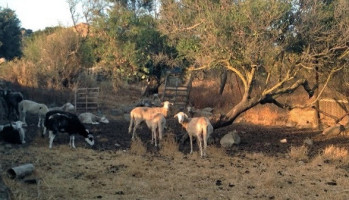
(10, 34)
(59, 55)
(128, 43)
(208, 32)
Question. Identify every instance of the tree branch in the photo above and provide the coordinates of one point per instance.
(236, 71)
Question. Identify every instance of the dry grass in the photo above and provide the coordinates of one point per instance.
(337, 155)
(169, 147)
(137, 147)
(81, 173)
(299, 153)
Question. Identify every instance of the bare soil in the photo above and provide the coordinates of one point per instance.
(261, 167)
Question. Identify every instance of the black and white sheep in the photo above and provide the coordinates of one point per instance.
(13, 132)
(61, 121)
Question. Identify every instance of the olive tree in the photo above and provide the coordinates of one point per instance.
(262, 42)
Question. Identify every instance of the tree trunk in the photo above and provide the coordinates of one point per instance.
(244, 105)
(247, 102)
(317, 103)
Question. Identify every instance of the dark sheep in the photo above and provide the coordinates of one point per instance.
(11, 100)
(12, 133)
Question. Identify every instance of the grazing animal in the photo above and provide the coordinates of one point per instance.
(200, 127)
(140, 114)
(12, 100)
(66, 107)
(152, 87)
(13, 132)
(89, 118)
(28, 106)
(61, 121)
(157, 126)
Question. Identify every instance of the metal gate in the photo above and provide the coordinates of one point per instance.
(176, 91)
(86, 99)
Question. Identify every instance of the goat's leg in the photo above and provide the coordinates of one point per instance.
(39, 122)
(137, 123)
(72, 141)
(200, 144)
(22, 135)
(191, 144)
(154, 135)
(51, 136)
(131, 125)
(17, 112)
(44, 131)
(205, 143)
(23, 115)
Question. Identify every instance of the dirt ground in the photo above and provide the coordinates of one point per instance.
(261, 167)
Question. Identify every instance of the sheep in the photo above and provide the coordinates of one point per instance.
(140, 114)
(156, 125)
(13, 132)
(89, 118)
(28, 106)
(197, 126)
(61, 121)
(66, 107)
(12, 100)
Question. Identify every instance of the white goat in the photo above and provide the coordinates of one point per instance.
(157, 126)
(197, 126)
(140, 114)
(28, 106)
(66, 107)
(90, 118)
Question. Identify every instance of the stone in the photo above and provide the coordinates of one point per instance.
(308, 141)
(283, 140)
(229, 139)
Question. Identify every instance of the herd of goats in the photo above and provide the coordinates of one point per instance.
(62, 119)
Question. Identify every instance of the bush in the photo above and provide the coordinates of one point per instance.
(53, 60)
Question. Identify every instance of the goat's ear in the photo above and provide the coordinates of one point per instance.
(176, 115)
